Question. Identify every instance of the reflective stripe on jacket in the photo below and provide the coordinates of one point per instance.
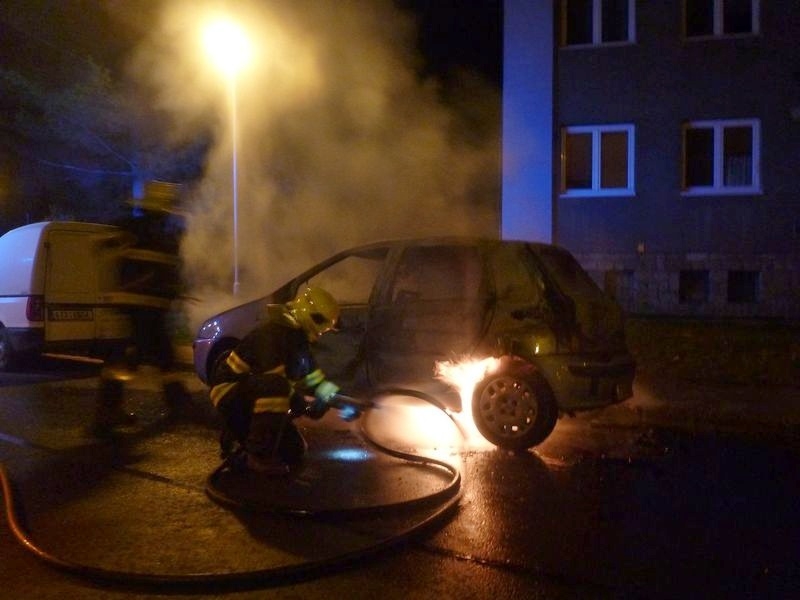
(267, 368)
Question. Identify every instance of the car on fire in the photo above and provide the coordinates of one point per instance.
(407, 305)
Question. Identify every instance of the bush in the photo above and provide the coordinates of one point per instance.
(718, 351)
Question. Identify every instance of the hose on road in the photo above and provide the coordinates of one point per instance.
(445, 500)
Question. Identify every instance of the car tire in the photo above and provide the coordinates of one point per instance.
(218, 356)
(514, 408)
(7, 354)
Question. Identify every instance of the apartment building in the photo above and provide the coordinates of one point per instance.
(659, 141)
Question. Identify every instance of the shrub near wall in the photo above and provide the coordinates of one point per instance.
(716, 351)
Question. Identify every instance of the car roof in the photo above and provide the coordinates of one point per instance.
(438, 241)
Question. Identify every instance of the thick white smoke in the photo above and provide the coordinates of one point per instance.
(340, 140)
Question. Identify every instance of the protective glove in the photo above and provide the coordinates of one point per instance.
(326, 391)
(323, 394)
(317, 409)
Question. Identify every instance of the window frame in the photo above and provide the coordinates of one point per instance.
(597, 26)
(718, 187)
(596, 132)
(718, 12)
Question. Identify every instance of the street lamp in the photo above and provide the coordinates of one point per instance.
(229, 50)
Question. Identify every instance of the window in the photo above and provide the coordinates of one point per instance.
(743, 286)
(707, 18)
(592, 22)
(516, 279)
(351, 279)
(721, 157)
(597, 160)
(438, 273)
(567, 272)
(693, 287)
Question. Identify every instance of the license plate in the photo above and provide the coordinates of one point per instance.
(70, 314)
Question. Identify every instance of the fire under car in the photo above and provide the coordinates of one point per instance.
(406, 306)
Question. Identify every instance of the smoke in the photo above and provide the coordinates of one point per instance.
(340, 141)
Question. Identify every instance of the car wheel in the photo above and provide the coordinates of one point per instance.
(514, 408)
(218, 356)
(7, 358)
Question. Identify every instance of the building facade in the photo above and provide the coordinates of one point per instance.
(674, 147)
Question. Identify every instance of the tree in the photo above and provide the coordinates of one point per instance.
(81, 149)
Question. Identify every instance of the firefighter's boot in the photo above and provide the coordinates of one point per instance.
(110, 412)
(178, 400)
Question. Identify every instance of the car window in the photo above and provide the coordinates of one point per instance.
(516, 279)
(437, 273)
(351, 279)
(568, 274)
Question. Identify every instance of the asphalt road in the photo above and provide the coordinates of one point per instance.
(597, 511)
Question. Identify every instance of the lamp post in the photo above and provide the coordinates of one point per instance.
(229, 51)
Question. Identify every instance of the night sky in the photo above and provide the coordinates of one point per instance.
(461, 33)
(453, 34)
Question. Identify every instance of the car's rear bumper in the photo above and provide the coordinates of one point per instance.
(585, 382)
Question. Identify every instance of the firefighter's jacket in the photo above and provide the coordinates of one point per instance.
(270, 367)
(150, 268)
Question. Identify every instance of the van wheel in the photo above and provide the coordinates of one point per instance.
(7, 357)
(514, 408)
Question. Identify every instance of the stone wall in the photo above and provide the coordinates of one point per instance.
(700, 284)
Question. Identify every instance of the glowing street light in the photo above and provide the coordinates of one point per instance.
(229, 49)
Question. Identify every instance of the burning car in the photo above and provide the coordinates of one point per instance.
(553, 341)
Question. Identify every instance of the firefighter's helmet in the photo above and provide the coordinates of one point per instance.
(315, 310)
(159, 196)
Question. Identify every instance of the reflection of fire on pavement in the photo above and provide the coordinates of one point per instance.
(408, 423)
(412, 422)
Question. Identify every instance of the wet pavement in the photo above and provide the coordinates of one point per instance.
(697, 406)
(683, 489)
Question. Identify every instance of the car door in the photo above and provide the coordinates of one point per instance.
(351, 280)
(431, 309)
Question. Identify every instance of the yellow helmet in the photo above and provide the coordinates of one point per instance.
(315, 310)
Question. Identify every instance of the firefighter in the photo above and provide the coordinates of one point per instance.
(260, 388)
(149, 282)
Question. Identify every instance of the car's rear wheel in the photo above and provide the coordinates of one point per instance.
(514, 408)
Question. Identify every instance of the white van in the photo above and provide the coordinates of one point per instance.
(56, 282)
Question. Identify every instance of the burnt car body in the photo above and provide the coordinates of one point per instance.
(407, 304)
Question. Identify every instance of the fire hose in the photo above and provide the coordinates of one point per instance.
(448, 496)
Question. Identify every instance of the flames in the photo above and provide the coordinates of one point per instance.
(464, 375)
(410, 422)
